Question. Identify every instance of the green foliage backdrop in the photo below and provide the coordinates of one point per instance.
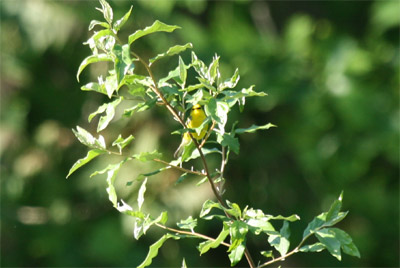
(331, 70)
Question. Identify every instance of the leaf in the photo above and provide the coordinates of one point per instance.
(153, 250)
(106, 10)
(92, 86)
(253, 128)
(207, 245)
(119, 23)
(230, 83)
(234, 210)
(268, 254)
(157, 26)
(182, 72)
(351, 250)
(140, 107)
(231, 142)
(184, 263)
(93, 23)
(207, 206)
(328, 239)
(195, 153)
(188, 224)
(146, 156)
(291, 218)
(346, 242)
(238, 231)
(321, 221)
(111, 84)
(281, 241)
(87, 139)
(317, 247)
(218, 110)
(213, 70)
(123, 63)
(181, 178)
(109, 108)
(121, 143)
(260, 225)
(170, 52)
(141, 192)
(83, 161)
(92, 59)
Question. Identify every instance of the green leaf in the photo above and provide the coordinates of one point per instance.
(321, 221)
(237, 254)
(92, 59)
(234, 210)
(328, 239)
(184, 263)
(119, 23)
(193, 87)
(111, 84)
(94, 23)
(260, 225)
(238, 231)
(213, 70)
(140, 107)
(181, 178)
(207, 206)
(153, 251)
(231, 142)
(346, 242)
(141, 192)
(281, 241)
(317, 247)
(291, 218)
(188, 224)
(109, 108)
(106, 10)
(93, 86)
(268, 254)
(83, 161)
(147, 156)
(230, 83)
(87, 139)
(351, 250)
(170, 52)
(127, 209)
(121, 143)
(123, 63)
(182, 72)
(157, 26)
(253, 128)
(149, 174)
(207, 245)
(195, 153)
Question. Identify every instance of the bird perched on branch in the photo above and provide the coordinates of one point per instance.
(197, 117)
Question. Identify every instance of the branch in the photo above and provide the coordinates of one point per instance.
(190, 233)
(180, 168)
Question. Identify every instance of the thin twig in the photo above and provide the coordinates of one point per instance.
(190, 233)
(180, 168)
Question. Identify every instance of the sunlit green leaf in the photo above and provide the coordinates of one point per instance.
(123, 63)
(238, 231)
(182, 72)
(109, 108)
(153, 250)
(93, 86)
(93, 23)
(188, 224)
(83, 161)
(92, 59)
(281, 241)
(106, 10)
(111, 84)
(170, 52)
(234, 210)
(119, 23)
(147, 156)
(213, 70)
(253, 128)
(207, 206)
(317, 247)
(141, 192)
(230, 83)
(140, 107)
(268, 254)
(207, 245)
(121, 143)
(87, 139)
(157, 26)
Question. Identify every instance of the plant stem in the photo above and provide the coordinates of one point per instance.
(198, 147)
(190, 233)
(180, 168)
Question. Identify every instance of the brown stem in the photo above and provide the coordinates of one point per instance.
(180, 168)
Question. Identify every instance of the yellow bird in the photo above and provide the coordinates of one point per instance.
(197, 117)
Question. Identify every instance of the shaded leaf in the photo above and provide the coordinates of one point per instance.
(123, 63)
(328, 239)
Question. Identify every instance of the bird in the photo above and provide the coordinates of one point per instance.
(197, 117)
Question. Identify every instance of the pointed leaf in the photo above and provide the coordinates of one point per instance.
(83, 161)
(107, 11)
(92, 59)
(142, 190)
(253, 128)
(121, 143)
(147, 156)
(188, 224)
(93, 23)
(157, 26)
(207, 245)
(328, 239)
(170, 52)
(119, 23)
(317, 247)
(153, 250)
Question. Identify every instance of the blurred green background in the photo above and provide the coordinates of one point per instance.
(331, 69)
